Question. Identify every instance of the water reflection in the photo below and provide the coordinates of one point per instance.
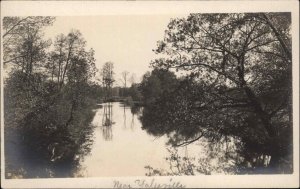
(30, 153)
(107, 133)
(107, 122)
(135, 110)
(130, 149)
(118, 146)
(181, 128)
(107, 115)
(113, 143)
(124, 115)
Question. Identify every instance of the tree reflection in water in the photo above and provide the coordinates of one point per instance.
(58, 154)
(124, 115)
(107, 119)
(210, 161)
(107, 122)
(216, 156)
(135, 110)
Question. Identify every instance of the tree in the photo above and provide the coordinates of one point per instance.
(20, 32)
(132, 79)
(57, 57)
(124, 80)
(243, 64)
(33, 53)
(108, 77)
(135, 92)
(75, 45)
(48, 97)
(156, 83)
(125, 75)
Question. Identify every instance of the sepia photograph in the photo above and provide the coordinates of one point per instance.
(157, 95)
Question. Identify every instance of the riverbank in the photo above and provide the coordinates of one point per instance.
(49, 143)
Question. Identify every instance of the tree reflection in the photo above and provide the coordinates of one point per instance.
(212, 161)
(107, 133)
(58, 155)
(176, 115)
(107, 122)
(132, 122)
(124, 115)
(134, 110)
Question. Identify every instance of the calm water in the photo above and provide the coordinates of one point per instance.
(122, 148)
(119, 147)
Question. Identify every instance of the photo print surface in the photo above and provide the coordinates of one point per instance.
(215, 98)
(135, 95)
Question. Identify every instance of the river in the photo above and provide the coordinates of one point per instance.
(122, 148)
(117, 145)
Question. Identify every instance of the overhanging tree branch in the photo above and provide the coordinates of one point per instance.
(188, 142)
(211, 68)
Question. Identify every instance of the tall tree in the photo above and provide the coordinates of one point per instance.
(57, 57)
(75, 45)
(132, 79)
(125, 77)
(108, 77)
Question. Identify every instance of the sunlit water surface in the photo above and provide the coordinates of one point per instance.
(123, 148)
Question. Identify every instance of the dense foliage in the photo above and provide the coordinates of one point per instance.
(49, 97)
(239, 85)
(157, 83)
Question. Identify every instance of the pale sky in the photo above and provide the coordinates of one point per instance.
(126, 40)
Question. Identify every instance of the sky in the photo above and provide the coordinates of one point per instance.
(126, 40)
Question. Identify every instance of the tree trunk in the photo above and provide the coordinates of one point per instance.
(254, 101)
(59, 65)
(66, 67)
(52, 74)
(264, 117)
(274, 147)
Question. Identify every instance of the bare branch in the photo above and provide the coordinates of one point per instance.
(211, 68)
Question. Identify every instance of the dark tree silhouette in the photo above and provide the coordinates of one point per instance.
(240, 65)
